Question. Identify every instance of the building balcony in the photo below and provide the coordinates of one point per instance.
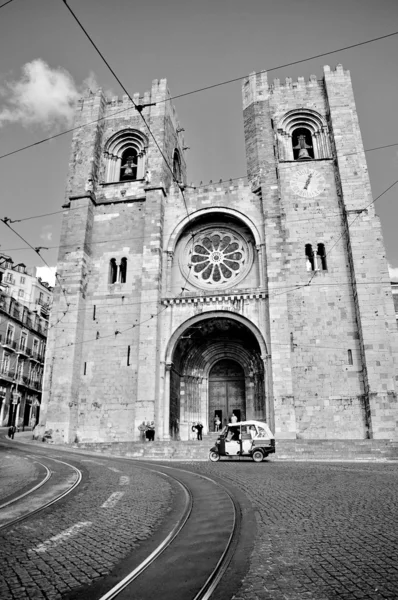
(9, 345)
(8, 374)
(23, 351)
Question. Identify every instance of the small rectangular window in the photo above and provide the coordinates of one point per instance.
(350, 357)
(20, 293)
(22, 280)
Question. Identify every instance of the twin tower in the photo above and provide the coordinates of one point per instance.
(269, 298)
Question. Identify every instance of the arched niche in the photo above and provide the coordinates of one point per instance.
(314, 128)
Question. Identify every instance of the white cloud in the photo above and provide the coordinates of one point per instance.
(42, 96)
(393, 273)
(46, 233)
(47, 274)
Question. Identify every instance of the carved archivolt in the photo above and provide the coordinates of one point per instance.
(303, 119)
(118, 146)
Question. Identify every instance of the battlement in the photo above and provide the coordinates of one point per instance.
(255, 87)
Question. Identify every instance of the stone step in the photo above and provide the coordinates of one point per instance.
(377, 450)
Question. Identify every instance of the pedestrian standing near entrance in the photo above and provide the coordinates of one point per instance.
(199, 428)
(11, 431)
(234, 418)
(217, 423)
(151, 432)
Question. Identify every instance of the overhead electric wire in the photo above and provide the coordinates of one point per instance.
(199, 89)
(37, 251)
(199, 185)
(5, 3)
(353, 221)
(289, 64)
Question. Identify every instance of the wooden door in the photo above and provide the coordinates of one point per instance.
(226, 391)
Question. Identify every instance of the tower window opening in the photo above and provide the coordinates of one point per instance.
(123, 270)
(112, 270)
(321, 257)
(128, 169)
(302, 144)
(177, 166)
(310, 258)
(350, 362)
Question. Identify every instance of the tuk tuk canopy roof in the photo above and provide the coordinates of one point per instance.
(261, 424)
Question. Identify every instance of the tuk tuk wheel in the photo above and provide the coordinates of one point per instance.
(214, 456)
(257, 456)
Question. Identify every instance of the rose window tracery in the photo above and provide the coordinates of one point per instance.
(218, 257)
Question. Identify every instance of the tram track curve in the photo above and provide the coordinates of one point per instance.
(193, 574)
(40, 497)
(191, 560)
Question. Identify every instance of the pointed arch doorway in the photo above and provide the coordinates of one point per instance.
(226, 391)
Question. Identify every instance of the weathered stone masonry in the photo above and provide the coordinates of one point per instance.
(267, 298)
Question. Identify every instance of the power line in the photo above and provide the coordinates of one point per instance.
(353, 221)
(201, 184)
(37, 251)
(197, 91)
(289, 64)
(5, 3)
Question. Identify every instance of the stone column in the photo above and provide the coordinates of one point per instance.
(166, 401)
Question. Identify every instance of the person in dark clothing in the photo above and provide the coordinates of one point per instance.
(199, 428)
(11, 431)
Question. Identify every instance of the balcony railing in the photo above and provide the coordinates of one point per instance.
(7, 372)
(20, 378)
(21, 313)
(10, 344)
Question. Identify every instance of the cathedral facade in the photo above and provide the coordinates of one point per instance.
(267, 297)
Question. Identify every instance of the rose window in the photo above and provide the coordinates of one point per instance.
(217, 258)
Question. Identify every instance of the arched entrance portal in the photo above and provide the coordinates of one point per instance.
(216, 365)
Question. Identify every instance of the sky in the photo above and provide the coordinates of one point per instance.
(46, 62)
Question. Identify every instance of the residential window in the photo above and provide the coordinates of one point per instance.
(35, 346)
(22, 280)
(9, 277)
(20, 370)
(20, 293)
(5, 363)
(10, 334)
(23, 340)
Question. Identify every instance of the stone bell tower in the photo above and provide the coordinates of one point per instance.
(333, 337)
(101, 373)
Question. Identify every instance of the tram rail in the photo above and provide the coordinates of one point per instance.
(23, 503)
(125, 589)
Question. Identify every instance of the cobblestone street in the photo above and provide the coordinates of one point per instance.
(324, 530)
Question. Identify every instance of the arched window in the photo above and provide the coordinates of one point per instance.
(177, 165)
(123, 270)
(303, 135)
(303, 148)
(309, 253)
(112, 270)
(128, 169)
(125, 155)
(321, 257)
(117, 272)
